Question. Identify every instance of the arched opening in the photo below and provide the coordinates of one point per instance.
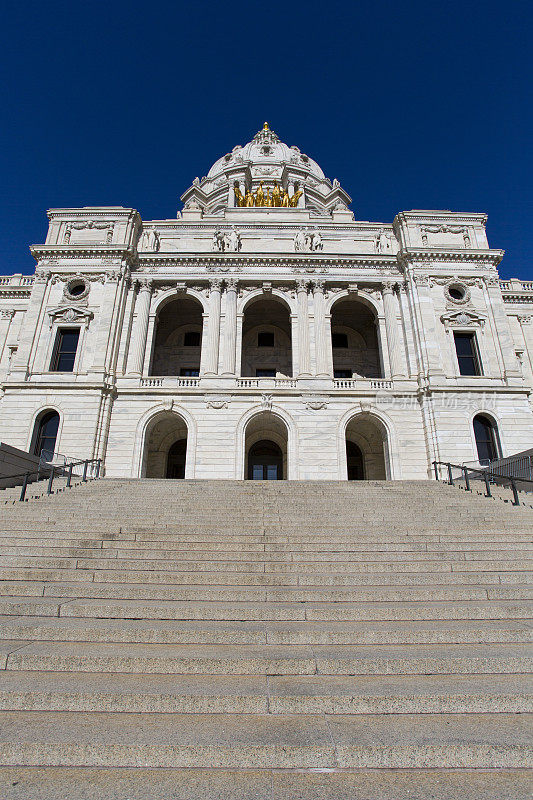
(366, 449)
(45, 435)
(178, 338)
(265, 461)
(176, 459)
(266, 448)
(355, 461)
(354, 340)
(266, 339)
(165, 449)
(487, 439)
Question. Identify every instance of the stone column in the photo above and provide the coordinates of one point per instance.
(391, 327)
(321, 332)
(503, 336)
(104, 333)
(213, 328)
(304, 357)
(138, 345)
(230, 333)
(30, 328)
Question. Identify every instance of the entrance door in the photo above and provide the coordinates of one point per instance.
(176, 459)
(265, 462)
(354, 457)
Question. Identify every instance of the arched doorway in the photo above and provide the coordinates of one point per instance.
(266, 339)
(165, 448)
(178, 338)
(266, 448)
(265, 461)
(176, 459)
(367, 455)
(354, 340)
(354, 461)
(45, 435)
(487, 439)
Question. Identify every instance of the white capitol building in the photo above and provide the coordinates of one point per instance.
(266, 333)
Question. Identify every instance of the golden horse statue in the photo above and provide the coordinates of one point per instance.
(239, 199)
(262, 198)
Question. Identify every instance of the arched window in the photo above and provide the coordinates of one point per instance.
(487, 442)
(46, 434)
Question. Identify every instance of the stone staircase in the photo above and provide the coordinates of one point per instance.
(265, 641)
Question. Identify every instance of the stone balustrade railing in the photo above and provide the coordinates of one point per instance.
(262, 384)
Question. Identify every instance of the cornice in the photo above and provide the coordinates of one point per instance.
(101, 251)
(245, 261)
(431, 254)
(517, 298)
(92, 211)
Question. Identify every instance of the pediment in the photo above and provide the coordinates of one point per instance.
(463, 318)
(70, 314)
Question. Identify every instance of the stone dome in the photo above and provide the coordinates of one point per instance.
(265, 160)
(266, 149)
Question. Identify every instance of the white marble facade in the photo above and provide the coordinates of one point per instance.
(266, 312)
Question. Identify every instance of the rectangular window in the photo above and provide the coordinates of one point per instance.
(265, 373)
(265, 339)
(467, 353)
(339, 339)
(65, 350)
(343, 373)
(186, 372)
(192, 339)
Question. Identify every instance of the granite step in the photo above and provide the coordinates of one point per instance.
(116, 783)
(257, 694)
(109, 608)
(286, 594)
(256, 741)
(271, 659)
(404, 577)
(258, 633)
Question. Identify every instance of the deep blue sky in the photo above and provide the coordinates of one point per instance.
(416, 104)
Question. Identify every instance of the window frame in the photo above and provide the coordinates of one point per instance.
(55, 355)
(338, 377)
(339, 346)
(266, 333)
(494, 427)
(195, 333)
(476, 354)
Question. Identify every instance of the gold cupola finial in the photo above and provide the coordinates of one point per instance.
(265, 126)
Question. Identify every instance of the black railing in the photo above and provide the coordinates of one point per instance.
(52, 471)
(468, 474)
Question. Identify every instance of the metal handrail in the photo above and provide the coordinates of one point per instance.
(487, 475)
(53, 470)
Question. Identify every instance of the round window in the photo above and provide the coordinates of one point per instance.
(77, 288)
(457, 293)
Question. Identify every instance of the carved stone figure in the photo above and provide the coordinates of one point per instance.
(383, 244)
(316, 241)
(232, 241)
(150, 241)
(300, 241)
(218, 243)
